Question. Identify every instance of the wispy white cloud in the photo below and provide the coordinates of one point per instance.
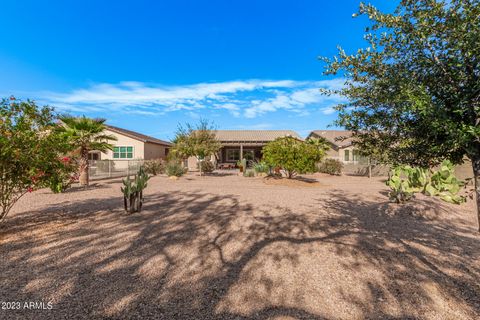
(247, 98)
(328, 110)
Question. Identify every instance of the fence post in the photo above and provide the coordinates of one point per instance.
(109, 168)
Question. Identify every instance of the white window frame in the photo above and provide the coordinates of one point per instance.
(126, 153)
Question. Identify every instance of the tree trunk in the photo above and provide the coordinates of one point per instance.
(476, 175)
(84, 179)
(369, 168)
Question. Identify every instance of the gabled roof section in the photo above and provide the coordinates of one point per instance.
(138, 136)
(253, 135)
(339, 138)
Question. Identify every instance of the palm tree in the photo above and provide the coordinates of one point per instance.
(86, 134)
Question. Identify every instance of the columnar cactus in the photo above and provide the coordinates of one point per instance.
(133, 191)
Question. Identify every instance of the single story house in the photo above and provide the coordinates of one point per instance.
(240, 144)
(341, 146)
(131, 145)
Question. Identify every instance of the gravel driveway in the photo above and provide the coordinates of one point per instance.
(228, 247)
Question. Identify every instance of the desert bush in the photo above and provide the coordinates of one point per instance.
(405, 181)
(292, 155)
(29, 151)
(66, 174)
(249, 173)
(331, 166)
(206, 166)
(174, 168)
(261, 167)
(154, 167)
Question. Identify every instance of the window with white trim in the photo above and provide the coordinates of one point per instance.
(123, 152)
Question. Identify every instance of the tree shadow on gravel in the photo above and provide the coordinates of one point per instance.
(208, 256)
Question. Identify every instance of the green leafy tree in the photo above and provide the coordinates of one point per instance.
(31, 153)
(293, 155)
(196, 141)
(85, 135)
(414, 92)
(321, 143)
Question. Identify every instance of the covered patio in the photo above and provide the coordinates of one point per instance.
(242, 144)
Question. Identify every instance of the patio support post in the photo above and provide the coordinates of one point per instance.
(241, 152)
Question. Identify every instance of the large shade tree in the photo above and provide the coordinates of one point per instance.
(414, 92)
(197, 140)
(85, 135)
(32, 155)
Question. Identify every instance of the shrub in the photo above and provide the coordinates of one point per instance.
(29, 150)
(261, 167)
(249, 173)
(174, 168)
(66, 174)
(154, 167)
(331, 166)
(206, 166)
(292, 155)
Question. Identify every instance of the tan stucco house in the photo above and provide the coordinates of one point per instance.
(341, 147)
(239, 144)
(131, 145)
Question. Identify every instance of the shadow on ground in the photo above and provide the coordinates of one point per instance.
(204, 256)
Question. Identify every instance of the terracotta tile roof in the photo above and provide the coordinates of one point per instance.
(339, 138)
(253, 135)
(137, 136)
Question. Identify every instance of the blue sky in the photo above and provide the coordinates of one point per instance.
(149, 65)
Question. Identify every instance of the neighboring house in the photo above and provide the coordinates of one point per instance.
(239, 144)
(132, 145)
(341, 145)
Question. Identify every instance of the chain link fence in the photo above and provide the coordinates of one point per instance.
(104, 169)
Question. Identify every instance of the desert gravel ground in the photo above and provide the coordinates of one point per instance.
(229, 247)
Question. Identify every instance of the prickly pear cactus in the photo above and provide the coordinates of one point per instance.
(445, 185)
(405, 181)
(403, 186)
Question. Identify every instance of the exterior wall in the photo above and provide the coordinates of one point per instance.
(339, 154)
(154, 151)
(138, 146)
(332, 154)
(141, 150)
(362, 170)
(192, 163)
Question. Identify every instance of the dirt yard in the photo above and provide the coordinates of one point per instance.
(228, 247)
